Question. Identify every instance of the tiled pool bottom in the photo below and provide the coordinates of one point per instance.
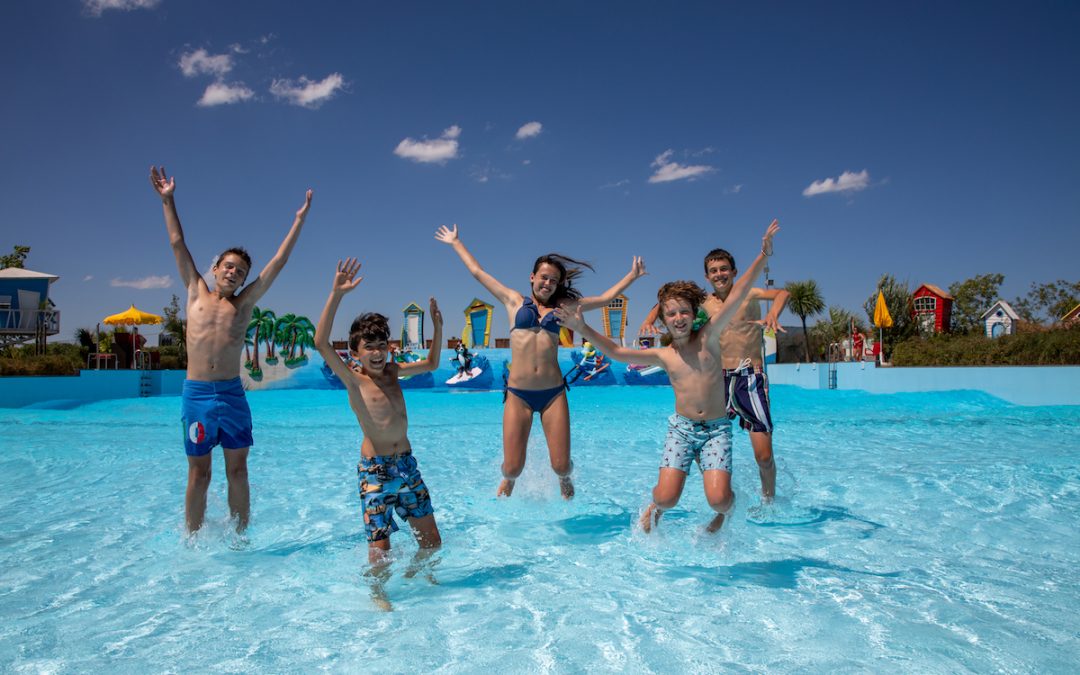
(929, 532)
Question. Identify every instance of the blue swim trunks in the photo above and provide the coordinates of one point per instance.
(748, 397)
(708, 443)
(391, 483)
(215, 413)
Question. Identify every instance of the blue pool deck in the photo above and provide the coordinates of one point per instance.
(1020, 385)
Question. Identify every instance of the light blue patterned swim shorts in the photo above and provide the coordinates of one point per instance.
(708, 443)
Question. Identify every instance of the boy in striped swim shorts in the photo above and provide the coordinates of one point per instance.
(700, 430)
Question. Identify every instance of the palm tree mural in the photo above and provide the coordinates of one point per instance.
(306, 334)
(283, 333)
(247, 349)
(254, 330)
(267, 322)
(805, 301)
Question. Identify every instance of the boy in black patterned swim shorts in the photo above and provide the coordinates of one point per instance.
(389, 478)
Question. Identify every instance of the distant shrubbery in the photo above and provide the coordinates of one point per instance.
(1055, 347)
(59, 359)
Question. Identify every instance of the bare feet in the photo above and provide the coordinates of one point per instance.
(716, 524)
(505, 488)
(650, 518)
(566, 486)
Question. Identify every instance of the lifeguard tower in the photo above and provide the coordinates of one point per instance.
(26, 312)
(412, 327)
(615, 319)
(477, 331)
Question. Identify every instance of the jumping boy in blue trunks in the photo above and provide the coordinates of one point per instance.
(740, 345)
(389, 478)
(700, 430)
(214, 408)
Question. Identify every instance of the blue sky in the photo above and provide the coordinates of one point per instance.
(933, 141)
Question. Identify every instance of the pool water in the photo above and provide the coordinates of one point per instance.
(923, 533)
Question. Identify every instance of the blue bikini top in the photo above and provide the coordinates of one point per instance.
(529, 317)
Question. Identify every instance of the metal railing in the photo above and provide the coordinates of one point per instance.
(28, 320)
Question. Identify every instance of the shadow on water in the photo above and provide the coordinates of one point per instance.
(770, 574)
(810, 517)
(321, 547)
(595, 528)
(501, 575)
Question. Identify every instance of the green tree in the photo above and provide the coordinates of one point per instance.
(16, 258)
(836, 326)
(805, 301)
(971, 298)
(898, 300)
(176, 328)
(1048, 301)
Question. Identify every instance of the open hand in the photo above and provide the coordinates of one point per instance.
(637, 268)
(770, 322)
(446, 235)
(302, 212)
(569, 315)
(343, 278)
(436, 314)
(164, 186)
(766, 241)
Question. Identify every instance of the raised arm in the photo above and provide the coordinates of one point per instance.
(506, 296)
(345, 280)
(741, 289)
(648, 326)
(637, 270)
(262, 284)
(431, 363)
(571, 317)
(185, 265)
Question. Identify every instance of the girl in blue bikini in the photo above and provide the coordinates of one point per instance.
(536, 381)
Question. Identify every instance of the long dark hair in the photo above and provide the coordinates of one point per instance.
(569, 269)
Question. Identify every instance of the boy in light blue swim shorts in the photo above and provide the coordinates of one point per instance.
(699, 430)
(214, 408)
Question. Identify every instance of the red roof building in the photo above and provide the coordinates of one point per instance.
(931, 308)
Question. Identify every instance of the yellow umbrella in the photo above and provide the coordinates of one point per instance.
(883, 320)
(133, 317)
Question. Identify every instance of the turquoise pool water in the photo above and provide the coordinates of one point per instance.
(922, 533)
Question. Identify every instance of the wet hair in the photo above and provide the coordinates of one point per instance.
(719, 254)
(681, 290)
(237, 251)
(368, 327)
(569, 269)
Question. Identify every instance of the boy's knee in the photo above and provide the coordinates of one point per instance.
(722, 501)
(664, 501)
(764, 458)
(199, 476)
(238, 472)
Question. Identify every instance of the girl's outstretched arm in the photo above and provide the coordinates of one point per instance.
(507, 296)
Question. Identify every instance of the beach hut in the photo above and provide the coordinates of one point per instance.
(615, 319)
(412, 327)
(477, 331)
(1072, 317)
(1000, 319)
(931, 308)
(26, 312)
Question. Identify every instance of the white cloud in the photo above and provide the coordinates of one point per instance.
(846, 182)
(97, 7)
(144, 283)
(308, 93)
(733, 190)
(667, 170)
(526, 162)
(201, 62)
(88, 277)
(529, 130)
(220, 93)
(427, 151)
(619, 183)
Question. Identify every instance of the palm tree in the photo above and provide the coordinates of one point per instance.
(253, 329)
(306, 334)
(266, 327)
(805, 301)
(283, 333)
